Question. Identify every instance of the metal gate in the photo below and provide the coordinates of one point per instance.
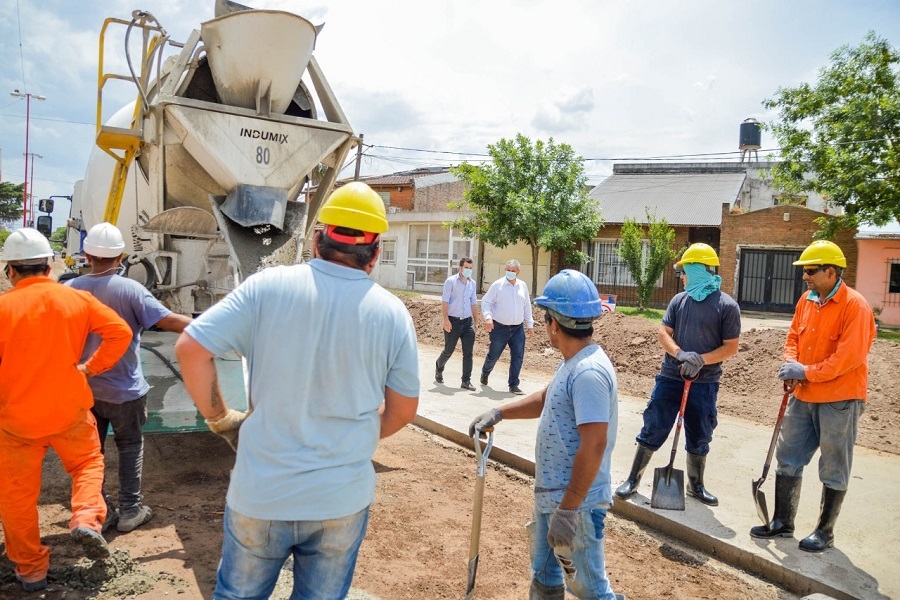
(769, 281)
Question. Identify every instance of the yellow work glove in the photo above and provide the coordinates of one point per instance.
(228, 426)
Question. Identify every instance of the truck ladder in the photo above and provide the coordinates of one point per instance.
(124, 144)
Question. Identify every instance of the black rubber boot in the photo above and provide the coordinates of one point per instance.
(539, 591)
(696, 464)
(823, 536)
(787, 499)
(641, 459)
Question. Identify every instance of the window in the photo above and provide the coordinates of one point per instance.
(430, 255)
(607, 267)
(385, 197)
(389, 252)
(894, 278)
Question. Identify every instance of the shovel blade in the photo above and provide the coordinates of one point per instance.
(473, 569)
(762, 510)
(668, 489)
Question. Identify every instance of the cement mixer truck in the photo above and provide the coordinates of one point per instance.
(204, 172)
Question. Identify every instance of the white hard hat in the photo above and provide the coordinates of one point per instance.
(104, 240)
(26, 245)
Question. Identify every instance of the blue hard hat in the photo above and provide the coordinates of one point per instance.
(571, 294)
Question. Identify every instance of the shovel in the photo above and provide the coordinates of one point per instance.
(758, 496)
(482, 457)
(668, 482)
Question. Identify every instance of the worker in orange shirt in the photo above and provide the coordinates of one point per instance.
(826, 366)
(45, 401)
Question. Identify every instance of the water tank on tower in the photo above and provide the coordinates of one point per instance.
(750, 138)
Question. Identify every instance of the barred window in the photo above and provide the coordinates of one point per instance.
(894, 278)
(607, 267)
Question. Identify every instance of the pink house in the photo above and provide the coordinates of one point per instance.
(878, 271)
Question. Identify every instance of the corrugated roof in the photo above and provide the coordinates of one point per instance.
(682, 199)
(389, 180)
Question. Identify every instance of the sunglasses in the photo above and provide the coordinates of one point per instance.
(678, 272)
(6, 271)
(814, 270)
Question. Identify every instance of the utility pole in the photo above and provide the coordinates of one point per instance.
(28, 97)
(359, 147)
(33, 155)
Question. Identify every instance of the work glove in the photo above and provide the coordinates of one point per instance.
(485, 421)
(792, 370)
(690, 357)
(689, 370)
(228, 426)
(563, 524)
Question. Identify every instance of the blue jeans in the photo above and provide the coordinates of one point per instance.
(582, 568)
(254, 550)
(127, 422)
(830, 427)
(460, 329)
(700, 415)
(501, 336)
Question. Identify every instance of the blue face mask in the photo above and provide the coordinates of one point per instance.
(700, 282)
(467, 273)
(511, 275)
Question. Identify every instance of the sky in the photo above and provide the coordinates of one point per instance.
(432, 83)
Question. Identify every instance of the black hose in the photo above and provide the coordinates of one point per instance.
(165, 360)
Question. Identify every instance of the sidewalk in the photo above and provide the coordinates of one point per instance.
(862, 565)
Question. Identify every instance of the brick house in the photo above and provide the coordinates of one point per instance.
(757, 230)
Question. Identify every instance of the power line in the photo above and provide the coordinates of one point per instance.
(21, 50)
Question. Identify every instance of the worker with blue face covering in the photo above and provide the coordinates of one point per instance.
(700, 329)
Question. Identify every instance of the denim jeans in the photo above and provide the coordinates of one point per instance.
(254, 550)
(581, 568)
(127, 422)
(459, 329)
(501, 336)
(830, 427)
(700, 415)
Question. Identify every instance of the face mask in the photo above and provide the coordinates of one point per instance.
(467, 273)
(510, 275)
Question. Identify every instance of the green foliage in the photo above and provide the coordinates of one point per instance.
(646, 269)
(10, 202)
(4, 233)
(531, 192)
(652, 314)
(58, 239)
(841, 136)
(891, 335)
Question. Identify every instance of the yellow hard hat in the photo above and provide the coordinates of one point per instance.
(355, 206)
(699, 253)
(822, 252)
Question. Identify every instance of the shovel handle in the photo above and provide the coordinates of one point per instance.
(678, 423)
(784, 402)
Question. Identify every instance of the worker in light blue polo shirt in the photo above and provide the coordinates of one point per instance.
(458, 309)
(506, 309)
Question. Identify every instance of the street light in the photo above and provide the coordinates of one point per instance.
(33, 155)
(28, 97)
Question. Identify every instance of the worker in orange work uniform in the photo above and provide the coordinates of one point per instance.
(45, 401)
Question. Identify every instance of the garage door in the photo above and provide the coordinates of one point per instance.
(769, 281)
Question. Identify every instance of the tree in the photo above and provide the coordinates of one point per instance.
(10, 202)
(841, 136)
(646, 268)
(530, 192)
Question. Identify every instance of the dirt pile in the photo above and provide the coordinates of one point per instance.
(749, 390)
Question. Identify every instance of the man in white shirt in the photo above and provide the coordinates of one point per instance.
(506, 311)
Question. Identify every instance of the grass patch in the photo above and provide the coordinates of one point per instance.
(651, 314)
(892, 335)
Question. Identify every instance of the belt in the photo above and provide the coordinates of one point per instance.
(460, 318)
(505, 325)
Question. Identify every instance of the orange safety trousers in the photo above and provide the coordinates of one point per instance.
(21, 462)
